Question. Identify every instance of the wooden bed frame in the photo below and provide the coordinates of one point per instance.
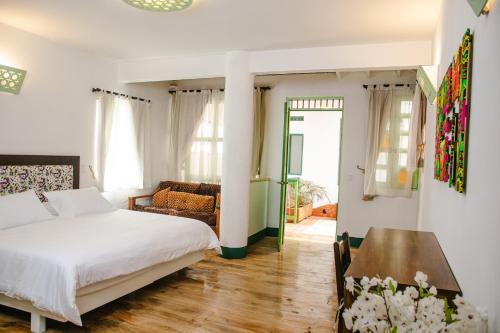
(97, 294)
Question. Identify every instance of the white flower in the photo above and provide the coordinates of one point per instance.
(349, 284)
(389, 280)
(375, 281)
(411, 292)
(483, 313)
(421, 279)
(348, 318)
(405, 311)
(365, 282)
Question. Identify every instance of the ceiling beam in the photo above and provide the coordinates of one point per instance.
(344, 58)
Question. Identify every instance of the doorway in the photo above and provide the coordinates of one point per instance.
(312, 142)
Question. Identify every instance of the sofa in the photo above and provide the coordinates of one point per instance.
(191, 200)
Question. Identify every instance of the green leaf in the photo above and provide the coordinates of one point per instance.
(391, 286)
(357, 291)
(421, 291)
(394, 330)
(379, 290)
(448, 312)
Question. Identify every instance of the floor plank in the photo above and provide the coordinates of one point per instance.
(313, 228)
(293, 291)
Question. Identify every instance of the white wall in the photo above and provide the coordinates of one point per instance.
(408, 54)
(259, 191)
(355, 215)
(468, 226)
(321, 150)
(54, 113)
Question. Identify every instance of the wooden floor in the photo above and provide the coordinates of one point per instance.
(313, 228)
(265, 292)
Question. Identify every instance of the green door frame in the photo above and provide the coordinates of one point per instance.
(285, 156)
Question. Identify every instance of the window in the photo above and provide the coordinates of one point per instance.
(392, 163)
(204, 164)
(316, 103)
(121, 137)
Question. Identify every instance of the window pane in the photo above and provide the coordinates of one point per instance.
(330, 104)
(405, 124)
(219, 159)
(381, 176)
(403, 142)
(336, 104)
(406, 107)
(403, 159)
(220, 125)
(382, 158)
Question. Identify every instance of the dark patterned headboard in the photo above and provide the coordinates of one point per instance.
(42, 173)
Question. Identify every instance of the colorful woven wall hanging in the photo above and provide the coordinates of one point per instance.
(452, 118)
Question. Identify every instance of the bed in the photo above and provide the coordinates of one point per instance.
(65, 267)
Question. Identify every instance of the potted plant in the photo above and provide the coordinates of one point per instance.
(308, 193)
(381, 307)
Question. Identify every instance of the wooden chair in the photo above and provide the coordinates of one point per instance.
(342, 254)
(345, 239)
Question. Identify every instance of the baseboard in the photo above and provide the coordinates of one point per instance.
(353, 241)
(241, 252)
(234, 253)
(257, 237)
(272, 232)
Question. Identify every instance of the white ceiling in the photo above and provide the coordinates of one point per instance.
(114, 29)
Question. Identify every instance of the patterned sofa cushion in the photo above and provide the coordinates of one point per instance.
(191, 202)
(179, 186)
(160, 198)
(209, 189)
(208, 218)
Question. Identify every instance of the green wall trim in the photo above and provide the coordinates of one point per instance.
(234, 253)
(257, 237)
(353, 241)
(272, 232)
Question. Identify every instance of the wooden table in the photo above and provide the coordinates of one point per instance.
(400, 254)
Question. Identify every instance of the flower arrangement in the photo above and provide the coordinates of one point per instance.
(381, 308)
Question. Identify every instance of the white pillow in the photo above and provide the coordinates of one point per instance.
(73, 203)
(50, 209)
(20, 209)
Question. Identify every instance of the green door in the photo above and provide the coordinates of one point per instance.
(284, 178)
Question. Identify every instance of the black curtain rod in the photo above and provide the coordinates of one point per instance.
(199, 90)
(118, 94)
(388, 85)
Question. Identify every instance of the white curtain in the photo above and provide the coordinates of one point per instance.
(390, 153)
(122, 143)
(185, 116)
(378, 116)
(204, 161)
(259, 129)
(414, 136)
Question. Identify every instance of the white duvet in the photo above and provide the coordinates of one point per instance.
(47, 262)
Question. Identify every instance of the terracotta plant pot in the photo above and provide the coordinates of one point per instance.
(302, 213)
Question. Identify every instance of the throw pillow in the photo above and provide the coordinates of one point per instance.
(189, 201)
(160, 198)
